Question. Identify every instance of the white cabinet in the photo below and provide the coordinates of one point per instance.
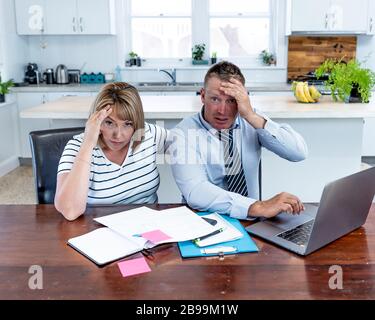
(96, 16)
(9, 140)
(371, 18)
(329, 16)
(24, 101)
(68, 17)
(368, 143)
(61, 17)
(30, 16)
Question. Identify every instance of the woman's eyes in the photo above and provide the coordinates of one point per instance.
(214, 99)
(110, 124)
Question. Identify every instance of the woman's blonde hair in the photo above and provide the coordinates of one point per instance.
(126, 105)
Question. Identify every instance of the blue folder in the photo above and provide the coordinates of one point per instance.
(245, 244)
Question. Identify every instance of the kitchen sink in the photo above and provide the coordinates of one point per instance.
(168, 84)
(154, 84)
(196, 84)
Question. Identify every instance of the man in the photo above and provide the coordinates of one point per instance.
(216, 153)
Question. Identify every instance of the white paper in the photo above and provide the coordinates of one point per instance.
(228, 234)
(179, 223)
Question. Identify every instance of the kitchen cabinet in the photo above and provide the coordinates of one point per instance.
(371, 18)
(9, 141)
(24, 101)
(30, 16)
(333, 16)
(80, 17)
(69, 17)
(368, 143)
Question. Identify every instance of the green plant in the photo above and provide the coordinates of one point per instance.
(267, 57)
(214, 55)
(344, 76)
(4, 86)
(198, 51)
(133, 55)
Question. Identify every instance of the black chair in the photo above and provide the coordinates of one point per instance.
(46, 149)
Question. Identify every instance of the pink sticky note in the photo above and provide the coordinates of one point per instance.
(134, 266)
(155, 236)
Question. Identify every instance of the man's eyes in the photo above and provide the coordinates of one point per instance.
(230, 101)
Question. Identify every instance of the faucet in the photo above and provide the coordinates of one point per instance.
(172, 75)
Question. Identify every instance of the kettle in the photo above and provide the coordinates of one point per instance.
(62, 74)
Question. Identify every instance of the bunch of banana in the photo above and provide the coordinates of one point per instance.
(305, 93)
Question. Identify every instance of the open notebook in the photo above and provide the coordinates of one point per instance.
(129, 231)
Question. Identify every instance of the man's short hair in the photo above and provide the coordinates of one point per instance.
(224, 70)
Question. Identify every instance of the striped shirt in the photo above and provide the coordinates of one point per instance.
(135, 181)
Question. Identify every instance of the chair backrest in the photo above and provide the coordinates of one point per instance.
(46, 150)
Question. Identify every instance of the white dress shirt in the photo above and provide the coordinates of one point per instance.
(198, 164)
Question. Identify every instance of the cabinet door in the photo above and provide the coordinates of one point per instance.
(348, 15)
(95, 16)
(368, 142)
(30, 16)
(24, 101)
(61, 17)
(309, 15)
(371, 18)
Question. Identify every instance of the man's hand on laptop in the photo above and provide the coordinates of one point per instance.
(283, 202)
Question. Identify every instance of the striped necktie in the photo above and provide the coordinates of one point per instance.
(234, 173)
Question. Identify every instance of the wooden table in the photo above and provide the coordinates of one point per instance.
(37, 235)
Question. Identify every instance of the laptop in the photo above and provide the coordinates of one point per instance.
(343, 207)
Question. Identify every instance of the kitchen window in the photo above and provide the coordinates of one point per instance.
(161, 29)
(239, 28)
(165, 30)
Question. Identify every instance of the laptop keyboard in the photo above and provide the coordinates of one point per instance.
(298, 235)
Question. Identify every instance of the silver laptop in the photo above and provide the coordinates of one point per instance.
(344, 206)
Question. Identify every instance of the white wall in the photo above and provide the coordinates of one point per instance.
(98, 53)
(14, 49)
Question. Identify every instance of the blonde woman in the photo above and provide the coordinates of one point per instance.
(114, 160)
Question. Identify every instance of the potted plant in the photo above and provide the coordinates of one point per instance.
(214, 57)
(4, 89)
(197, 54)
(267, 58)
(347, 81)
(133, 58)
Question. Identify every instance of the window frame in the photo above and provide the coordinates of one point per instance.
(200, 22)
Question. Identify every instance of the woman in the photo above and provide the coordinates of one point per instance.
(114, 160)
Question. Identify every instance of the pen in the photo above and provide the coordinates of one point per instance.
(218, 250)
(209, 235)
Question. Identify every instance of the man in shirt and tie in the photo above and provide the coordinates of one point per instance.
(216, 153)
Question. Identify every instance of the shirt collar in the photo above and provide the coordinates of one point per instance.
(210, 128)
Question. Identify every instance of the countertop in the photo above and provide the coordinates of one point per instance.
(156, 87)
(178, 107)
